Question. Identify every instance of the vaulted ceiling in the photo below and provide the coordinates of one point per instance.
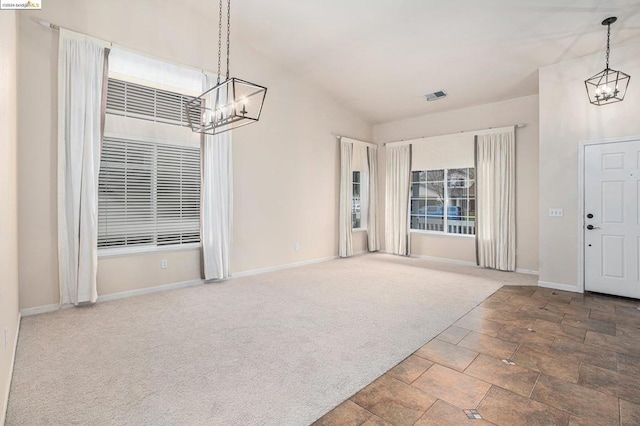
(379, 57)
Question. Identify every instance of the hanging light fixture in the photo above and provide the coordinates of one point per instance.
(608, 86)
(228, 105)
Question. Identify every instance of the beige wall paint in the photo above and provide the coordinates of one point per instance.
(514, 111)
(286, 167)
(8, 198)
(566, 118)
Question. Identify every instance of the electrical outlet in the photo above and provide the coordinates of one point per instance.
(164, 264)
(296, 246)
(556, 212)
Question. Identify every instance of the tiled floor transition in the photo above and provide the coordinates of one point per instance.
(525, 356)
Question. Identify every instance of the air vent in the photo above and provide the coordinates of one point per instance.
(435, 95)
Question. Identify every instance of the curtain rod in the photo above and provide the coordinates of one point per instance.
(55, 27)
(519, 126)
(356, 140)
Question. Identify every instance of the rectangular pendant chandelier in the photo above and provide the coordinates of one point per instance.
(231, 104)
(608, 86)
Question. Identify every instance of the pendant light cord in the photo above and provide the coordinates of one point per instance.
(608, 37)
(228, 34)
(219, 42)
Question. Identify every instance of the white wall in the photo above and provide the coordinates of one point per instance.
(566, 118)
(8, 200)
(520, 110)
(286, 167)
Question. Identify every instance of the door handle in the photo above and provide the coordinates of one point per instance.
(590, 227)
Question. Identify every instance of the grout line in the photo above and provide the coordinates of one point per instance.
(534, 385)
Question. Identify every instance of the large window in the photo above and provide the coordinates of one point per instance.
(149, 181)
(359, 201)
(443, 201)
(148, 194)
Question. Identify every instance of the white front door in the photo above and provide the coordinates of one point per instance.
(611, 221)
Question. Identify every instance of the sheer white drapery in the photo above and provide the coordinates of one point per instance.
(397, 199)
(82, 66)
(345, 243)
(495, 180)
(373, 235)
(216, 211)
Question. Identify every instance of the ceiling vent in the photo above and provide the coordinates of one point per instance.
(435, 95)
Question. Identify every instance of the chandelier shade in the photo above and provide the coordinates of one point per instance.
(231, 104)
(608, 86)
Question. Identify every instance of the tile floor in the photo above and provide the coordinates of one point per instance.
(525, 356)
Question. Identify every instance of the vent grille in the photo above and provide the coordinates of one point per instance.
(148, 103)
(435, 95)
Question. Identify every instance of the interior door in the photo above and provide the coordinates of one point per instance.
(611, 222)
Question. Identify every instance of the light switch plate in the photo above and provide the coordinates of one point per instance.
(556, 212)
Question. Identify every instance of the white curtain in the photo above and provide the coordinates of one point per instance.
(373, 237)
(345, 246)
(216, 206)
(495, 180)
(82, 64)
(397, 199)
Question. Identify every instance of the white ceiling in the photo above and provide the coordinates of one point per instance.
(379, 57)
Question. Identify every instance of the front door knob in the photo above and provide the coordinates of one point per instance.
(590, 227)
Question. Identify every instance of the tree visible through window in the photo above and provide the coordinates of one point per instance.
(443, 201)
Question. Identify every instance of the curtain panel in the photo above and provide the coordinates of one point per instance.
(216, 201)
(397, 199)
(373, 236)
(82, 71)
(345, 239)
(495, 180)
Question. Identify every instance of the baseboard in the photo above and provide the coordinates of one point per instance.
(5, 402)
(527, 271)
(558, 286)
(282, 267)
(173, 286)
(445, 260)
(42, 309)
(466, 263)
(148, 290)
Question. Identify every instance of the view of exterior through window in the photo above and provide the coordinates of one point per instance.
(356, 205)
(443, 201)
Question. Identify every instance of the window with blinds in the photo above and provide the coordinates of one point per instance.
(148, 194)
(148, 103)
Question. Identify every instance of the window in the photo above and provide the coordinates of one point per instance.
(137, 101)
(148, 194)
(359, 201)
(434, 192)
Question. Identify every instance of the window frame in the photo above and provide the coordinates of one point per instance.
(445, 205)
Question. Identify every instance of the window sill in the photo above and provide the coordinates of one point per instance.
(133, 251)
(359, 230)
(443, 234)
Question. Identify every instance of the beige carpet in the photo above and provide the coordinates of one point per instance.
(280, 348)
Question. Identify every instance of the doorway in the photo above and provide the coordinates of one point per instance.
(611, 219)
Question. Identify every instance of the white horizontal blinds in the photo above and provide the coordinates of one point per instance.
(137, 101)
(178, 195)
(148, 194)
